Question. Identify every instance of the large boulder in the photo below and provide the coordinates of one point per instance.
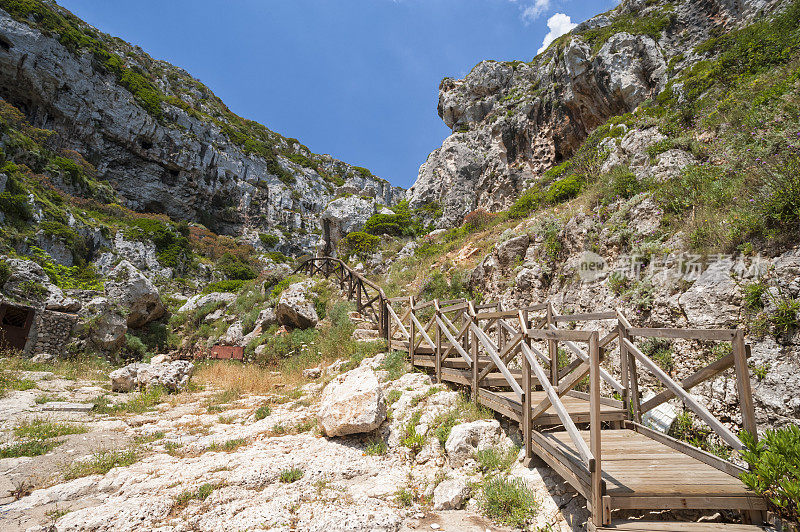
(102, 324)
(295, 309)
(128, 287)
(173, 376)
(200, 300)
(513, 250)
(467, 438)
(450, 494)
(342, 216)
(352, 403)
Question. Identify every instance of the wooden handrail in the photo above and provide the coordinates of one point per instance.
(513, 337)
(492, 349)
(584, 357)
(721, 430)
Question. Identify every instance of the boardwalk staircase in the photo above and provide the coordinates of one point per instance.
(543, 369)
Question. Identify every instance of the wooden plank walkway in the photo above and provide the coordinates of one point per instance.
(519, 364)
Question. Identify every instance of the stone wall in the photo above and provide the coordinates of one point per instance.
(50, 332)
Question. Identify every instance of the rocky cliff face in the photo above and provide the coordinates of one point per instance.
(161, 138)
(512, 121)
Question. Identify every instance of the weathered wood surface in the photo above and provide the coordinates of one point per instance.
(493, 351)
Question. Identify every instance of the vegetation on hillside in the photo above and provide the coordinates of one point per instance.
(148, 79)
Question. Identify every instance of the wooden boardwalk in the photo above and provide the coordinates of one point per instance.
(574, 414)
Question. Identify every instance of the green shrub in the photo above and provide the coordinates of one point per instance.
(200, 494)
(404, 497)
(288, 476)
(685, 429)
(509, 501)
(621, 183)
(15, 207)
(529, 201)
(155, 336)
(43, 429)
(785, 318)
(492, 460)
(780, 195)
(443, 424)
(563, 189)
(437, 286)
(359, 243)
(775, 469)
(27, 448)
(226, 285)
(268, 240)
(396, 364)
(234, 268)
(101, 463)
(753, 293)
(393, 396)
(376, 448)
(411, 438)
(388, 224)
(660, 350)
(134, 347)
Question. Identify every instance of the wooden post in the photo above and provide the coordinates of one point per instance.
(501, 337)
(594, 430)
(412, 330)
(526, 403)
(633, 390)
(552, 348)
(349, 285)
(438, 344)
(387, 322)
(359, 288)
(474, 355)
(743, 384)
(623, 365)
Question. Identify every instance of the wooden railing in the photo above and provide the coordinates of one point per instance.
(491, 339)
(369, 297)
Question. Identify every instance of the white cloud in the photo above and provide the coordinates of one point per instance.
(559, 24)
(533, 11)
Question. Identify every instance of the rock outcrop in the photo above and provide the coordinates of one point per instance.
(103, 325)
(295, 309)
(127, 287)
(160, 148)
(512, 121)
(467, 438)
(174, 376)
(342, 216)
(352, 403)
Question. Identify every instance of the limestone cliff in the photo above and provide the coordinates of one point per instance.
(160, 137)
(512, 121)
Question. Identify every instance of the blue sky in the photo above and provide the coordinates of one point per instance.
(354, 78)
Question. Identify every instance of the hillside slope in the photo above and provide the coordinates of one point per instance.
(161, 138)
(512, 121)
(680, 186)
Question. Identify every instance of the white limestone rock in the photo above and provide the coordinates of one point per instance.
(450, 494)
(467, 438)
(128, 287)
(195, 302)
(352, 403)
(295, 309)
(173, 376)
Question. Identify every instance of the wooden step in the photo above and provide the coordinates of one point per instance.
(677, 526)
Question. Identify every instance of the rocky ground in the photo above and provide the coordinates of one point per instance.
(211, 458)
